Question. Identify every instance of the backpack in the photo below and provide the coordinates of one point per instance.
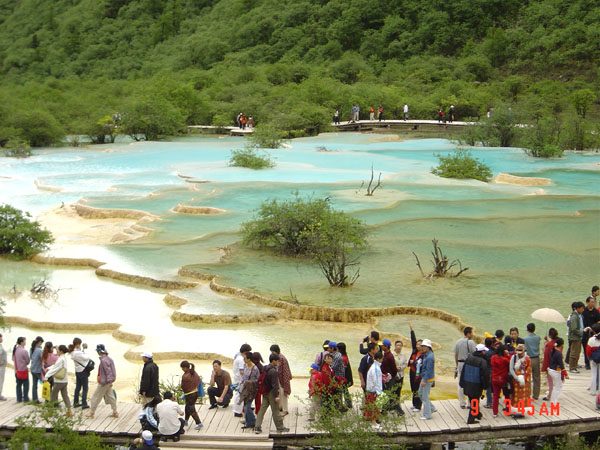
(263, 383)
(90, 366)
(595, 356)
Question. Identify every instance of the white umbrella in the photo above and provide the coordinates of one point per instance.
(548, 315)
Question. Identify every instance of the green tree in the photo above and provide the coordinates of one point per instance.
(501, 126)
(582, 99)
(462, 165)
(311, 229)
(37, 126)
(542, 140)
(266, 136)
(17, 148)
(151, 118)
(99, 130)
(20, 237)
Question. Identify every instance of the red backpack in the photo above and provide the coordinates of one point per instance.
(263, 384)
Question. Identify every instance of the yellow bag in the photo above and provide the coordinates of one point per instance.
(46, 391)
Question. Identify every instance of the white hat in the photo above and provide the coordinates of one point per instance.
(147, 436)
(426, 342)
(481, 348)
(146, 355)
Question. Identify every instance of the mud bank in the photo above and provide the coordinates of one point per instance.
(505, 178)
(178, 316)
(79, 262)
(145, 281)
(89, 212)
(197, 210)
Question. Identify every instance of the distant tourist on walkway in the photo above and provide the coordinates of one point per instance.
(463, 348)
(593, 352)
(427, 379)
(35, 356)
(239, 120)
(250, 122)
(405, 112)
(388, 367)
(451, 114)
(415, 362)
(82, 376)
(3, 361)
(271, 398)
(373, 337)
(356, 113)
(145, 442)
(474, 378)
(238, 371)
(374, 388)
(575, 334)
(219, 395)
(285, 376)
(249, 389)
(170, 424)
(107, 374)
(49, 357)
(336, 116)
(372, 113)
(548, 347)
(557, 371)
(532, 347)
(380, 113)
(61, 378)
(149, 382)
(190, 381)
(591, 316)
(21, 361)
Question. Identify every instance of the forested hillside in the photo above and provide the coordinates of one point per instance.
(68, 64)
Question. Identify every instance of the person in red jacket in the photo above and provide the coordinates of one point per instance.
(552, 334)
(315, 388)
(500, 366)
(328, 381)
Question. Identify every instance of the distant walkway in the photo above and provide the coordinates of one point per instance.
(407, 125)
(232, 131)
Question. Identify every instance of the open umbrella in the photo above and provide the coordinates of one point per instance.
(548, 315)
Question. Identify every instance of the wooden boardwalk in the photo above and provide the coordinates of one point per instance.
(405, 125)
(576, 414)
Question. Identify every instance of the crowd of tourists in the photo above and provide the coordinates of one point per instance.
(377, 114)
(501, 365)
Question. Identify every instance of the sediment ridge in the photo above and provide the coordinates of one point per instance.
(178, 316)
(89, 212)
(197, 210)
(506, 178)
(54, 261)
(145, 281)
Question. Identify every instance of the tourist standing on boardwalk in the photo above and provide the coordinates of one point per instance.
(190, 381)
(532, 347)
(271, 398)
(401, 364)
(591, 316)
(356, 113)
(35, 356)
(405, 112)
(21, 361)
(557, 371)
(548, 347)
(223, 390)
(415, 361)
(592, 351)
(427, 379)
(373, 337)
(372, 113)
(347, 374)
(451, 114)
(514, 334)
(320, 358)
(365, 364)
(170, 424)
(3, 362)
(463, 348)
(374, 388)
(520, 372)
(285, 376)
(61, 379)
(49, 357)
(107, 374)
(238, 371)
(82, 376)
(258, 360)
(315, 391)
(336, 116)
(474, 378)
(249, 389)
(500, 367)
(575, 335)
(380, 113)
(388, 367)
(149, 382)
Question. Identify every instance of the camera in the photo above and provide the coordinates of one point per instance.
(366, 339)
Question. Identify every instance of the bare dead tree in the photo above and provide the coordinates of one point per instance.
(442, 266)
(369, 190)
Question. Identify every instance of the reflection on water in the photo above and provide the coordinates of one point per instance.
(526, 246)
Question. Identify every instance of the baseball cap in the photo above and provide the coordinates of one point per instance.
(314, 366)
(146, 355)
(387, 343)
(332, 344)
(426, 343)
(481, 348)
(147, 437)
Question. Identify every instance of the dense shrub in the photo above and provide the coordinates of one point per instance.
(266, 136)
(462, 165)
(251, 159)
(21, 237)
(17, 148)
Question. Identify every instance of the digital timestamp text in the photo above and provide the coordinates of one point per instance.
(527, 408)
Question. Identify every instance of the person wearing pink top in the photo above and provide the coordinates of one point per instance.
(21, 361)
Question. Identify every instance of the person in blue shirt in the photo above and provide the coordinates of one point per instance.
(532, 346)
(427, 379)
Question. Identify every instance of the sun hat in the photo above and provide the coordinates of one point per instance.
(146, 355)
(481, 348)
(426, 343)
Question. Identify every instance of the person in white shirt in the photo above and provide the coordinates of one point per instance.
(59, 371)
(405, 112)
(238, 371)
(82, 376)
(170, 424)
(373, 389)
(401, 363)
(463, 348)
